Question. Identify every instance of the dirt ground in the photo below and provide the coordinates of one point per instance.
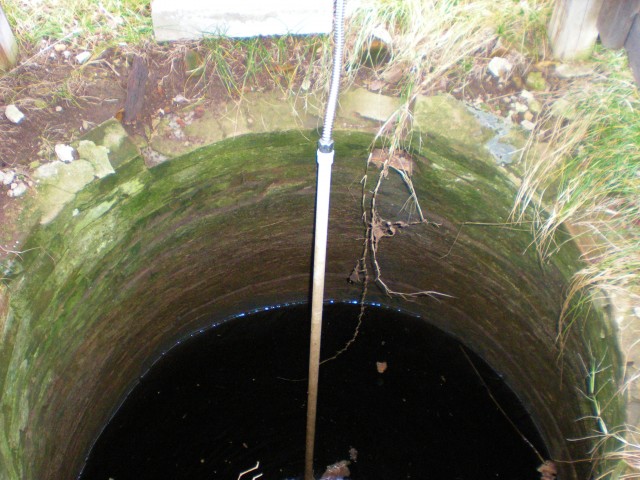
(62, 99)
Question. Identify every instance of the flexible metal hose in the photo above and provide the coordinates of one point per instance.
(326, 142)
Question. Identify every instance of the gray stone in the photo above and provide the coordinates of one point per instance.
(527, 125)
(565, 70)
(535, 106)
(82, 57)
(18, 190)
(65, 153)
(564, 109)
(13, 114)
(520, 107)
(8, 177)
(113, 136)
(69, 177)
(499, 67)
(58, 184)
(535, 81)
(370, 105)
(96, 155)
(527, 95)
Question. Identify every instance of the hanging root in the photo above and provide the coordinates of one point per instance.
(378, 228)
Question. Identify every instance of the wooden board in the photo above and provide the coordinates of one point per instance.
(632, 45)
(615, 20)
(8, 45)
(573, 29)
(136, 86)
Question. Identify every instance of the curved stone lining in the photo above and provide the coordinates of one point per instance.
(137, 260)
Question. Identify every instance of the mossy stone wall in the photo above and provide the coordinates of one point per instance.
(141, 258)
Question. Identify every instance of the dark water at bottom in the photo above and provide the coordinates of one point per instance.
(231, 396)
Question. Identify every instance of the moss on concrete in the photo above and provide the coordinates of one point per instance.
(136, 260)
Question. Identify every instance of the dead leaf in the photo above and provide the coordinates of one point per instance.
(548, 470)
(545, 64)
(198, 112)
(376, 85)
(356, 274)
(394, 74)
(337, 471)
(400, 160)
(353, 454)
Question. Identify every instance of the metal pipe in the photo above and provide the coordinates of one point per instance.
(332, 102)
(319, 261)
(325, 160)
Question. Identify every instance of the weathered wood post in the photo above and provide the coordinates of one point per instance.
(573, 29)
(632, 44)
(8, 45)
(615, 20)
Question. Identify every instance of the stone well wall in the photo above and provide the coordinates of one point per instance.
(118, 269)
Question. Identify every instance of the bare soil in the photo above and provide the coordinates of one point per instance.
(62, 100)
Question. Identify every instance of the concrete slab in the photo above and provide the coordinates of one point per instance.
(193, 19)
(361, 103)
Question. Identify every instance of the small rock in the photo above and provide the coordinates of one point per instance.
(8, 177)
(13, 114)
(180, 99)
(66, 54)
(499, 67)
(82, 57)
(59, 47)
(527, 125)
(535, 106)
(520, 107)
(572, 71)
(528, 116)
(535, 81)
(526, 95)
(382, 34)
(564, 109)
(17, 191)
(59, 108)
(97, 156)
(394, 74)
(65, 153)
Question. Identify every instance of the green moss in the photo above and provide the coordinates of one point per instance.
(155, 235)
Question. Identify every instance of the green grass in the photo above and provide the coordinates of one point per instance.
(589, 177)
(87, 22)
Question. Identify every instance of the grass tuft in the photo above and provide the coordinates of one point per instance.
(103, 23)
(588, 178)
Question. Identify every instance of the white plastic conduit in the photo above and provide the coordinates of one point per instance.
(325, 160)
